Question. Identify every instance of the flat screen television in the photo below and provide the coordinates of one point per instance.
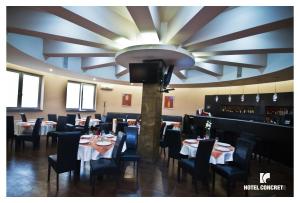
(148, 72)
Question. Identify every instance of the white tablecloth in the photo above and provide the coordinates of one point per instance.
(87, 153)
(93, 122)
(189, 150)
(27, 127)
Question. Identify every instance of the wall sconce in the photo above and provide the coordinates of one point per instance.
(217, 98)
(275, 96)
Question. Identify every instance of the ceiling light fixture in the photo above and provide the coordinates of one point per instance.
(94, 79)
(50, 69)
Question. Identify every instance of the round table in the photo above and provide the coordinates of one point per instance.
(87, 152)
(27, 127)
(217, 157)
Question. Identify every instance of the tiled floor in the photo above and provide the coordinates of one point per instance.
(27, 176)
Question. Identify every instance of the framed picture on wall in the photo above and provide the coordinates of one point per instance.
(169, 102)
(126, 99)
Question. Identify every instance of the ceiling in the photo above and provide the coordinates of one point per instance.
(230, 45)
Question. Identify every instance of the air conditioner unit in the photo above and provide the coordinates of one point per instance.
(106, 87)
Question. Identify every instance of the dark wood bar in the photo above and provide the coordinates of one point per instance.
(276, 142)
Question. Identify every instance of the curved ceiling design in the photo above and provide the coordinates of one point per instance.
(229, 44)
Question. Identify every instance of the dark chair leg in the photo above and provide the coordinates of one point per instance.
(49, 171)
(173, 162)
(178, 172)
(195, 184)
(164, 152)
(168, 161)
(213, 180)
(93, 184)
(228, 188)
(57, 182)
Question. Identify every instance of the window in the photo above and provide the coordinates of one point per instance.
(73, 94)
(80, 96)
(25, 90)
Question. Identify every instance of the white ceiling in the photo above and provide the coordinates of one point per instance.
(223, 40)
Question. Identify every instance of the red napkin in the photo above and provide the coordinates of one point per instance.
(216, 153)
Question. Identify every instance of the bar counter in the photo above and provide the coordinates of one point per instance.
(275, 142)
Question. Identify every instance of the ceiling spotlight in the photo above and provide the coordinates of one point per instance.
(131, 83)
(257, 98)
(94, 79)
(217, 98)
(50, 69)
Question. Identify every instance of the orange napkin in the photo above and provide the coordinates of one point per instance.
(216, 153)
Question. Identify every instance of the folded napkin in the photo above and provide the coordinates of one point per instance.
(216, 153)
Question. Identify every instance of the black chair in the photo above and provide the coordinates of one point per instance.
(84, 129)
(23, 117)
(34, 137)
(173, 142)
(10, 131)
(130, 155)
(66, 158)
(98, 116)
(162, 142)
(78, 116)
(121, 126)
(104, 127)
(239, 168)
(60, 127)
(71, 120)
(198, 167)
(52, 117)
(108, 166)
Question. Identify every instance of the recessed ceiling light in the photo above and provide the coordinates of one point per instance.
(131, 83)
(94, 79)
(50, 69)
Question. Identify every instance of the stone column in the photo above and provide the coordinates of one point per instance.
(148, 146)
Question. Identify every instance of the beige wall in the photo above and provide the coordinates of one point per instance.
(186, 100)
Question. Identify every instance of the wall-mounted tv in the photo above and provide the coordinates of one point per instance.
(148, 72)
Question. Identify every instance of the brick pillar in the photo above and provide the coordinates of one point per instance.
(148, 146)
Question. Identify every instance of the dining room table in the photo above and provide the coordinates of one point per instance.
(27, 127)
(221, 152)
(93, 122)
(93, 147)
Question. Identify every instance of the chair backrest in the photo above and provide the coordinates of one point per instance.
(23, 117)
(162, 128)
(173, 142)
(121, 126)
(242, 153)
(61, 123)
(87, 124)
(98, 116)
(10, 126)
(67, 149)
(71, 118)
(169, 127)
(248, 136)
(116, 153)
(36, 128)
(52, 117)
(132, 137)
(202, 157)
(79, 116)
